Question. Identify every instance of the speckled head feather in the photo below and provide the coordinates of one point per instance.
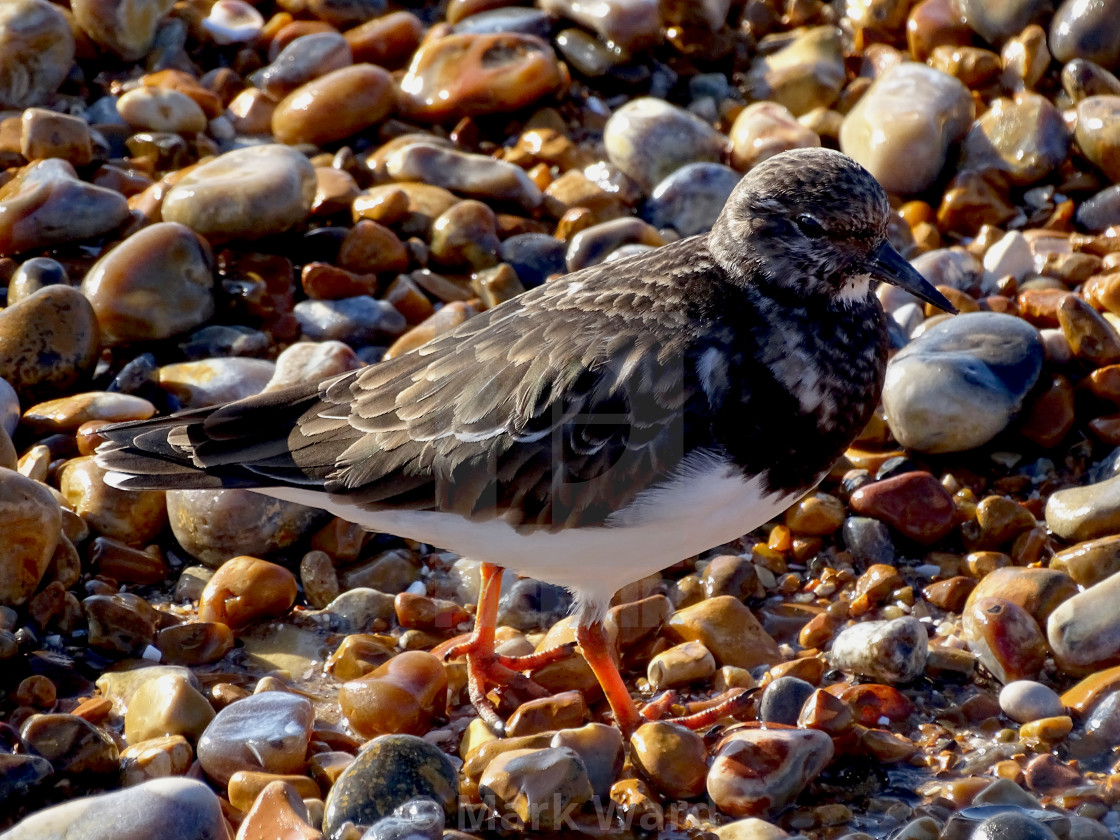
(802, 223)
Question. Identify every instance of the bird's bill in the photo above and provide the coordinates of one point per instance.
(889, 266)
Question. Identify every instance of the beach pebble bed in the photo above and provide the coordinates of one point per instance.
(201, 201)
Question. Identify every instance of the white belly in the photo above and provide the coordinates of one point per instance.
(706, 504)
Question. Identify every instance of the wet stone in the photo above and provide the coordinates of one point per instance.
(649, 139)
(46, 204)
(1005, 638)
(902, 128)
(728, 629)
(914, 503)
(762, 130)
(893, 651)
(600, 747)
(47, 134)
(690, 198)
(246, 589)
(127, 29)
(31, 534)
(164, 706)
(417, 819)
(233, 22)
(36, 52)
(277, 811)
(194, 643)
(22, 776)
(1087, 30)
(538, 786)
(244, 194)
(1085, 513)
(334, 106)
(67, 414)
(599, 242)
(679, 665)
(214, 381)
(628, 24)
(73, 746)
(961, 382)
(390, 771)
(120, 625)
(469, 75)
(1024, 137)
(155, 284)
(476, 176)
(357, 321)
(267, 732)
(400, 696)
(808, 73)
(1084, 631)
(759, 771)
(1027, 700)
(1091, 337)
(1098, 133)
(303, 60)
(1100, 211)
(1091, 561)
(131, 516)
(672, 757)
(161, 109)
(996, 21)
(182, 808)
(565, 710)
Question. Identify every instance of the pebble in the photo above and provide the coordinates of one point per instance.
(214, 525)
(1100, 211)
(73, 745)
(161, 109)
(164, 706)
(914, 504)
(47, 134)
(1098, 133)
(37, 46)
(246, 589)
(903, 126)
(1027, 700)
(214, 381)
(1091, 561)
(689, 199)
(673, 758)
(1024, 137)
(267, 732)
(46, 204)
(1012, 824)
(1005, 638)
(247, 193)
(1086, 30)
(156, 284)
(278, 811)
(728, 629)
(472, 175)
(805, 74)
(390, 771)
(471, 75)
(995, 22)
(194, 643)
(301, 61)
(889, 651)
(31, 534)
(357, 321)
(233, 22)
(534, 256)
(625, 24)
(961, 382)
(649, 139)
(417, 819)
(782, 700)
(538, 786)
(67, 414)
(127, 29)
(601, 748)
(402, 695)
(134, 517)
(759, 771)
(1084, 631)
(334, 106)
(563, 710)
(182, 808)
(1084, 513)
(762, 130)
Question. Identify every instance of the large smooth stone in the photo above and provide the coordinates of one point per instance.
(1084, 631)
(124, 27)
(185, 809)
(902, 127)
(244, 194)
(691, 198)
(1087, 29)
(389, 771)
(1024, 137)
(758, 771)
(49, 342)
(32, 520)
(649, 139)
(477, 176)
(1085, 513)
(214, 525)
(892, 651)
(960, 383)
(268, 732)
(997, 20)
(470, 75)
(157, 283)
(215, 381)
(335, 106)
(806, 74)
(36, 51)
(46, 204)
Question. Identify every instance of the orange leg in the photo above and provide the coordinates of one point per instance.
(599, 656)
(485, 666)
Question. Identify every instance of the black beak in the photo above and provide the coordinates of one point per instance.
(887, 264)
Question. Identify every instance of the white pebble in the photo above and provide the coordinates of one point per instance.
(1027, 700)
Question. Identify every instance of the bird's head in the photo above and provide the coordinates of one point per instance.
(812, 223)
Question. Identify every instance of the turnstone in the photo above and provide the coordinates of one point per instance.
(600, 427)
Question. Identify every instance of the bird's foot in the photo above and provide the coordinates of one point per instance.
(698, 715)
(486, 667)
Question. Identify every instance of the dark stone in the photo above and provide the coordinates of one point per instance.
(782, 700)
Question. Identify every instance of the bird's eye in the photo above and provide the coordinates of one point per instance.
(810, 226)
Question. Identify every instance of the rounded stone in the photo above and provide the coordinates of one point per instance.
(214, 525)
(36, 51)
(537, 786)
(805, 74)
(135, 517)
(1084, 631)
(902, 127)
(782, 700)
(649, 139)
(334, 106)
(156, 284)
(1098, 133)
(764, 129)
(1005, 638)
(246, 589)
(995, 22)
(400, 696)
(1088, 29)
(358, 321)
(73, 745)
(673, 758)
(161, 109)
(478, 176)
(889, 651)
(244, 194)
(691, 198)
(1027, 700)
(215, 381)
(1024, 137)
(166, 705)
(760, 771)
(266, 732)
(32, 520)
(124, 27)
(913, 503)
(961, 382)
(302, 61)
(390, 771)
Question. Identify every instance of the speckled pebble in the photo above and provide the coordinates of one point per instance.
(891, 651)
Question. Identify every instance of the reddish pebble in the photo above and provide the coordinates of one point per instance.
(400, 696)
(1005, 638)
(914, 504)
(246, 589)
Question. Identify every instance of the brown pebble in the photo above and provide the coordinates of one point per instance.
(401, 695)
(673, 758)
(915, 504)
(334, 106)
(246, 589)
(566, 710)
